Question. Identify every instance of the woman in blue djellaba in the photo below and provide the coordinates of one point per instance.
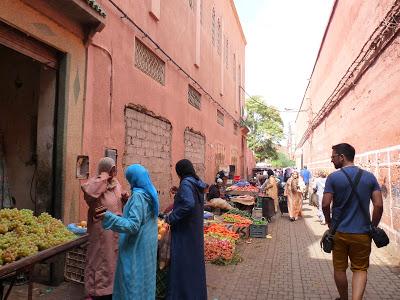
(187, 269)
(135, 276)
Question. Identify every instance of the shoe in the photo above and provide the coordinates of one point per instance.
(291, 219)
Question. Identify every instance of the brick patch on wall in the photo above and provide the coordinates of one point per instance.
(148, 142)
(195, 151)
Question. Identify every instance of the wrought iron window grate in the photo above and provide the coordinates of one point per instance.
(220, 117)
(194, 97)
(149, 63)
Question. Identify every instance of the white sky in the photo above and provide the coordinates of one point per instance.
(283, 38)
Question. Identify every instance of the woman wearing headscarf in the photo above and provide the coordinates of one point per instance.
(294, 192)
(135, 276)
(102, 190)
(187, 269)
(270, 188)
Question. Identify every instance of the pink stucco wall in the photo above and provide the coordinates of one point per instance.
(113, 81)
(367, 116)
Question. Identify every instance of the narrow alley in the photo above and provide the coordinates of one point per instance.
(292, 265)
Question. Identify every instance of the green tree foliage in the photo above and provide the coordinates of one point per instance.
(282, 161)
(266, 128)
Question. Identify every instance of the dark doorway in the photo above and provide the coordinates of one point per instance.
(28, 93)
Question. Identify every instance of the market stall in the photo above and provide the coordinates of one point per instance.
(243, 195)
(9, 272)
(26, 240)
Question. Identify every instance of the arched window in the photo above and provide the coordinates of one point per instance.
(213, 27)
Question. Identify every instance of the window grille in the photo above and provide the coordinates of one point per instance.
(219, 156)
(220, 117)
(234, 157)
(234, 67)
(149, 63)
(194, 97)
(219, 37)
(235, 129)
(226, 53)
(213, 27)
(201, 11)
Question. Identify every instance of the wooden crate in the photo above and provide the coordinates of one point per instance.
(75, 263)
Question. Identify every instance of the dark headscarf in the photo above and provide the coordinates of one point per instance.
(270, 173)
(184, 168)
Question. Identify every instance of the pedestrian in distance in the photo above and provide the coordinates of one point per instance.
(287, 173)
(270, 188)
(135, 275)
(294, 192)
(306, 175)
(102, 190)
(350, 191)
(319, 190)
(187, 277)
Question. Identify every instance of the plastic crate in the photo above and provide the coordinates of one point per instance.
(75, 263)
(258, 231)
(256, 213)
(161, 283)
(259, 202)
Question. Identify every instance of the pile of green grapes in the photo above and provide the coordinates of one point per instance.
(22, 234)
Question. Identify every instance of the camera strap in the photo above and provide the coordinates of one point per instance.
(347, 202)
(366, 214)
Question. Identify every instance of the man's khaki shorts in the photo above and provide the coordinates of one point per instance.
(355, 246)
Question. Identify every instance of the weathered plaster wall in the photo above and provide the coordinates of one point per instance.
(367, 116)
(26, 19)
(115, 82)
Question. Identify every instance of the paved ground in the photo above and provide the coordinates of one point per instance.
(291, 265)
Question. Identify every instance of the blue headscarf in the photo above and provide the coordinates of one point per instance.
(139, 179)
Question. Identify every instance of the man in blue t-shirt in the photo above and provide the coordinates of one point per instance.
(352, 239)
(306, 175)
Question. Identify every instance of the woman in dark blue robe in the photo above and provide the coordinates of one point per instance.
(187, 270)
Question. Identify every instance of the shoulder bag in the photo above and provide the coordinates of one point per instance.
(327, 239)
(377, 234)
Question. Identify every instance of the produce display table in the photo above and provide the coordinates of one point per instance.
(241, 193)
(10, 271)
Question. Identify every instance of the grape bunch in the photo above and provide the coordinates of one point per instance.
(22, 234)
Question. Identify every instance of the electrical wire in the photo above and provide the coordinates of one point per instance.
(170, 59)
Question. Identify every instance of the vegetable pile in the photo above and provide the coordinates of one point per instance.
(248, 188)
(23, 234)
(162, 228)
(239, 212)
(261, 221)
(238, 220)
(216, 248)
(220, 231)
(219, 242)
